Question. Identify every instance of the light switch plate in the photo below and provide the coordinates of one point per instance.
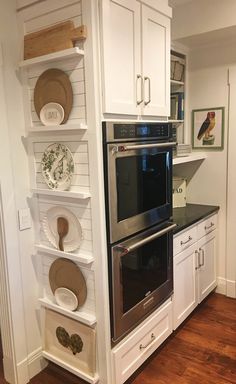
(24, 219)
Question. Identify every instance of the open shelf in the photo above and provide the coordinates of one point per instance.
(70, 368)
(175, 121)
(83, 317)
(55, 56)
(70, 194)
(58, 128)
(81, 258)
(187, 159)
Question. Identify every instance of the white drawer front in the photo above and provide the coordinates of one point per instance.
(140, 345)
(185, 239)
(207, 226)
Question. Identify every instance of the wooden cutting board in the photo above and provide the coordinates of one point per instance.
(57, 38)
(53, 86)
(65, 273)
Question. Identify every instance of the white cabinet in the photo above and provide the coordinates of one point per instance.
(194, 267)
(185, 285)
(207, 265)
(136, 57)
(141, 343)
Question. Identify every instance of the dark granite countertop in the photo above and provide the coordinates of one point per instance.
(186, 216)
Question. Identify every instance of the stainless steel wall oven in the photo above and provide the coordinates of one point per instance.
(138, 189)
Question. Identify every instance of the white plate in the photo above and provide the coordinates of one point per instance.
(74, 236)
(52, 114)
(57, 166)
(65, 298)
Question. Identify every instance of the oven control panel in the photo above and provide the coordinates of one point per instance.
(142, 131)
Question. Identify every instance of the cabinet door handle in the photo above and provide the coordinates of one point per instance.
(197, 260)
(209, 226)
(203, 257)
(148, 343)
(139, 101)
(149, 90)
(187, 241)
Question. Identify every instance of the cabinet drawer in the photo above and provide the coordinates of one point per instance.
(185, 239)
(207, 226)
(128, 356)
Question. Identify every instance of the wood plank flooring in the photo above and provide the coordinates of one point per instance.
(201, 351)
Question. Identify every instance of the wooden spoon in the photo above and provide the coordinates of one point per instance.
(62, 230)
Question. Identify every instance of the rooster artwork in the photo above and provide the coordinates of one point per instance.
(206, 128)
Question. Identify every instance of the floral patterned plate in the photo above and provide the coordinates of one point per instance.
(57, 166)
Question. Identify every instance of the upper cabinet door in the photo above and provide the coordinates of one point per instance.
(121, 42)
(156, 62)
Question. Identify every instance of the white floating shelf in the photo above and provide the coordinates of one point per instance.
(58, 128)
(188, 159)
(55, 56)
(83, 317)
(70, 194)
(70, 368)
(176, 82)
(175, 121)
(82, 258)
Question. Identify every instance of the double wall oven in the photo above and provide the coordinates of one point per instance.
(138, 189)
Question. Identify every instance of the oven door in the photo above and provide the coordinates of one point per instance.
(141, 273)
(139, 186)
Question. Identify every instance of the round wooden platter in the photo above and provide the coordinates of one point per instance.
(65, 273)
(53, 86)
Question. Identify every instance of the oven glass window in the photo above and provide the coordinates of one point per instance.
(141, 183)
(143, 271)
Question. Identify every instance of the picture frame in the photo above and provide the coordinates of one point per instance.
(208, 128)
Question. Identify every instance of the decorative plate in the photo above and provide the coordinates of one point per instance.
(52, 114)
(66, 298)
(74, 236)
(57, 166)
(64, 273)
(53, 86)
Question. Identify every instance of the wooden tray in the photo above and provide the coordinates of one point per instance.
(56, 38)
(65, 273)
(54, 86)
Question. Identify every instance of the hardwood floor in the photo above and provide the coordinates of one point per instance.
(201, 351)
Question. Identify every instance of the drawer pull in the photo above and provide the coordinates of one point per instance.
(185, 242)
(198, 260)
(148, 343)
(203, 257)
(209, 226)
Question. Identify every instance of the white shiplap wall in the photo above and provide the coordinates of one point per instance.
(89, 305)
(82, 212)
(37, 17)
(79, 149)
(74, 68)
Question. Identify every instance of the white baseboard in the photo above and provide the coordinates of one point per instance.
(9, 370)
(31, 366)
(36, 362)
(22, 372)
(221, 285)
(226, 287)
(231, 288)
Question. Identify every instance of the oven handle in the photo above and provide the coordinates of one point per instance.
(144, 241)
(124, 148)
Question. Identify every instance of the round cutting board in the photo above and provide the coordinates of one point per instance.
(53, 86)
(65, 273)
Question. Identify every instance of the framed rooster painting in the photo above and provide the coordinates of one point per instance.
(208, 128)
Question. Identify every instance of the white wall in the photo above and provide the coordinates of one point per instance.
(208, 87)
(203, 16)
